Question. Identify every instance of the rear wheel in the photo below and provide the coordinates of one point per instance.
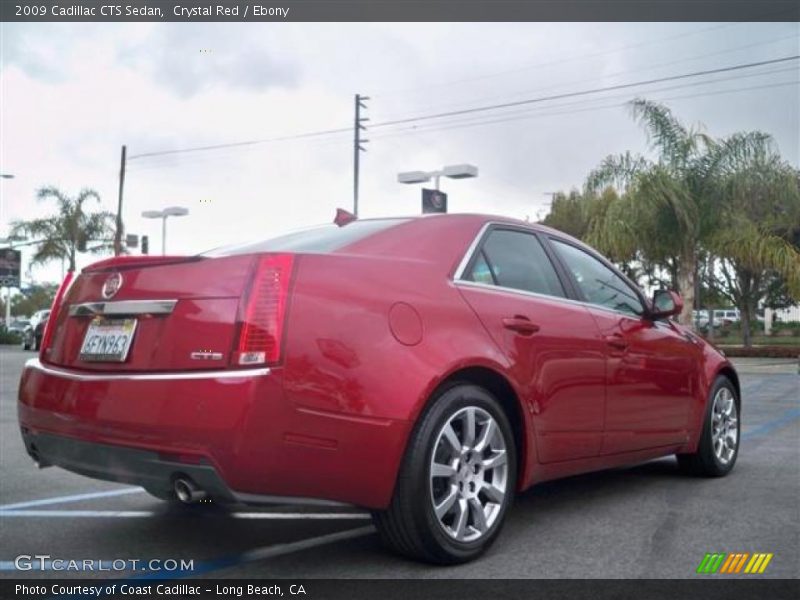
(719, 442)
(456, 482)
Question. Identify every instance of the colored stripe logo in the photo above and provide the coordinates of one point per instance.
(734, 562)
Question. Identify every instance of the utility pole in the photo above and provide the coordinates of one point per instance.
(118, 232)
(357, 145)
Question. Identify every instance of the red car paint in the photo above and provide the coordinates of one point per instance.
(370, 331)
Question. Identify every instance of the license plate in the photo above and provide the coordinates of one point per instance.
(108, 340)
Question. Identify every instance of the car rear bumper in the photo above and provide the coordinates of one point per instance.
(232, 432)
(148, 469)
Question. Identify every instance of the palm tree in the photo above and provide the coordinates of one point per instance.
(758, 200)
(67, 232)
(673, 207)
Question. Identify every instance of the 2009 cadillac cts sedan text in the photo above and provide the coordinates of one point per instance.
(424, 368)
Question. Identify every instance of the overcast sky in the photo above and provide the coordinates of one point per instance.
(72, 94)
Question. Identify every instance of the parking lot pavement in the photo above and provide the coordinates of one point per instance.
(645, 521)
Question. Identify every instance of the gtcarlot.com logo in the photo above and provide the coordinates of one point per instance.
(734, 562)
(44, 562)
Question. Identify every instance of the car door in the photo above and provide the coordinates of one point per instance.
(652, 368)
(557, 357)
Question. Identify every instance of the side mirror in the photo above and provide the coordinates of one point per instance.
(666, 303)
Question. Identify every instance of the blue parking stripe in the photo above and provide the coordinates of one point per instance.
(769, 426)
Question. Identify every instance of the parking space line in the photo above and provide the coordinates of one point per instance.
(134, 514)
(263, 553)
(786, 418)
(237, 559)
(72, 498)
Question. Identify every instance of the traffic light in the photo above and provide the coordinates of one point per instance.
(145, 244)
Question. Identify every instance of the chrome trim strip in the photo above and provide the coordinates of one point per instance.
(500, 288)
(35, 363)
(123, 307)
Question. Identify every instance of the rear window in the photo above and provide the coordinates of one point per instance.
(319, 240)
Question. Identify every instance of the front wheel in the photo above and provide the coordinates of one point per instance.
(456, 482)
(719, 442)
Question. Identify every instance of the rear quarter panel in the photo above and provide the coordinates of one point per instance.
(343, 361)
(341, 355)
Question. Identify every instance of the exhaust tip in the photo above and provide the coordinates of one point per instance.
(187, 491)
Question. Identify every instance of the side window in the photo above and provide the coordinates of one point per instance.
(599, 284)
(515, 259)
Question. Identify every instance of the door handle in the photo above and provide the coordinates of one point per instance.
(520, 324)
(617, 342)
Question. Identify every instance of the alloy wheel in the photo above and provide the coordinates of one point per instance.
(724, 426)
(468, 474)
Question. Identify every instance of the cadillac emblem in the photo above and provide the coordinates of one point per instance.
(112, 285)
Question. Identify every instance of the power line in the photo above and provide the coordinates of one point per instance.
(240, 144)
(421, 89)
(620, 86)
(444, 127)
(533, 114)
(649, 67)
(529, 110)
(472, 110)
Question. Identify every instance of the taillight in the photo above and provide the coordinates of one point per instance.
(262, 318)
(49, 327)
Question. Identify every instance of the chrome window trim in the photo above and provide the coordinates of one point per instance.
(123, 307)
(462, 266)
(35, 363)
(500, 288)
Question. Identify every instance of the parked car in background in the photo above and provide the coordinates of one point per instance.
(18, 326)
(727, 316)
(426, 369)
(33, 333)
(700, 318)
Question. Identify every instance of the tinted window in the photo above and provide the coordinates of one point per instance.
(322, 239)
(599, 284)
(517, 260)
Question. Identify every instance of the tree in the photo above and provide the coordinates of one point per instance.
(569, 213)
(670, 209)
(757, 196)
(68, 232)
(32, 299)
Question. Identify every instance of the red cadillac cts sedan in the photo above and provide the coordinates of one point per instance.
(425, 368)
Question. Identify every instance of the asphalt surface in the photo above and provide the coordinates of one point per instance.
(647, 521)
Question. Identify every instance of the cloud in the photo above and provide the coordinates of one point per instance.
(73, 94)
(192, 58)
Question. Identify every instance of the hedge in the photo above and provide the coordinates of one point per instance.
(761, 351)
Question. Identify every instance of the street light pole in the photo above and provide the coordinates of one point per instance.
(11, 246)
(464, 171)
(164, 235)
(10, 241)
(118, 232)
(171, 211)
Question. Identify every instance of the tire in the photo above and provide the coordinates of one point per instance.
(719, 442)
(473, 492)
